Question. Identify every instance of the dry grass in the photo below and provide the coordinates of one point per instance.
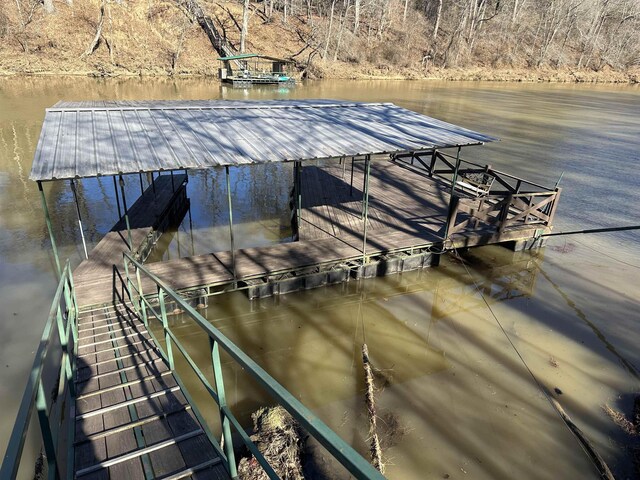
(278, 437)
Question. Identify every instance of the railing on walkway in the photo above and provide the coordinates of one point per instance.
(355, 464)
(52, 395)
(484, 198)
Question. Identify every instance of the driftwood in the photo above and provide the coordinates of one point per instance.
(603, 469)
(375, 449)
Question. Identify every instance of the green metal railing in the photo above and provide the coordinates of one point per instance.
(354, 463)
(53, 404)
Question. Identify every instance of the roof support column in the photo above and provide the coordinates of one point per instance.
(367, 169)
(299, 194)
(115, 188)
(50, 229)
(233, 251)
(75, 197)
(351, 187)
(126, 213)
(451, 200)
(365, 182)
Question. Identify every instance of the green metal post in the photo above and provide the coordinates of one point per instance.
(129, 285)
(299, 194)
(455, 172)
(351, 184)
(233, 250)
(50, 229)
(75, 197)
(366, 208)
(45, 428)
(141, 184)
(115, 188)
(126, 214)
(165, 327)
(63, 335)
(222, 402)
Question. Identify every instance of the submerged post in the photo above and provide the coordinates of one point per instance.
(367, 169)
(47, 219)
(233, 251)
(75, 197)
(126, 213)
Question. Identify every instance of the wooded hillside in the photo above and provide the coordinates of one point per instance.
(556, 39)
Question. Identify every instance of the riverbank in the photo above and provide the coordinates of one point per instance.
(340, 71)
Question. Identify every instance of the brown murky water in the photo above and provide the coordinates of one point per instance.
(457, 401)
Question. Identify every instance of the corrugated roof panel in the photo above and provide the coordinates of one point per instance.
(86, 139)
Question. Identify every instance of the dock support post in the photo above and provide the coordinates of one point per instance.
(299, 193)
(75, 197)
(115, 188)
(366, 207)
(233, 251)
(126, 213)
(141, 184)
(50, 229)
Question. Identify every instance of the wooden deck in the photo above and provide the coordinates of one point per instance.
(407, 209)
(148, 217)
(131, 417)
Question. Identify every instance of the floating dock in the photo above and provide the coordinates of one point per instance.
(376, 189)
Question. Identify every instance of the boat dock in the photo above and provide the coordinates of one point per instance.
(375, 190)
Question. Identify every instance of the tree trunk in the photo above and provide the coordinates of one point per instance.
(438, 16)
(356, 17)
(245, 25)
(326, 43)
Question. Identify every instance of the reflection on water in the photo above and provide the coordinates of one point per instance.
(456, 397)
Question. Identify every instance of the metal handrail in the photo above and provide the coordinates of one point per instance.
(341, 451)
(34, 393)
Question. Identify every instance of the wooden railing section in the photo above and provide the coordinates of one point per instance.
(485, 199)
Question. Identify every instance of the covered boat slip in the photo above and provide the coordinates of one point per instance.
(376, 189)
(371, 182)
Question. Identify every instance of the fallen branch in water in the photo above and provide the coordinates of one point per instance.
(375, 449)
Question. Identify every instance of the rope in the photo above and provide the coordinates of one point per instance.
(588, 450)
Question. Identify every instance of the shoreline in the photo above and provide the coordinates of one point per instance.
(478, 74)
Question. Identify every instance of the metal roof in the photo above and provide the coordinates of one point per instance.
(244, 56)
(88, 139)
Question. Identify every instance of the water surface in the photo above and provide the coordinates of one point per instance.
(458, 399)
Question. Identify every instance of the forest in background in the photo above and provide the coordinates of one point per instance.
(564, 40)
